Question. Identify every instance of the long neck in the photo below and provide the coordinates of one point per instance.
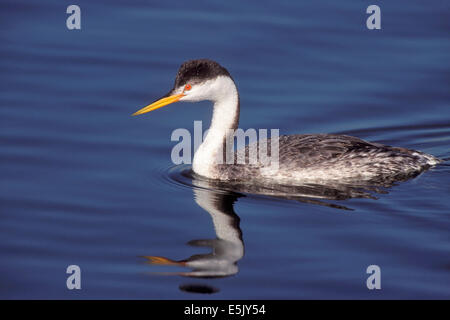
(225, 117)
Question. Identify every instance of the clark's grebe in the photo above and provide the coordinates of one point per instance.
(302, 158)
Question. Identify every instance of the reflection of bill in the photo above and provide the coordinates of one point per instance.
(227, 248)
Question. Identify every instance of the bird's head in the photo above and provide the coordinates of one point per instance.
(196, 80)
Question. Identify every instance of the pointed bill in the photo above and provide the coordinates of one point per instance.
(159, 104)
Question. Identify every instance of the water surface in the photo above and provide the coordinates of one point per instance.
(85, 183)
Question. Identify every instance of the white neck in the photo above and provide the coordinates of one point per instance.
(225, 117)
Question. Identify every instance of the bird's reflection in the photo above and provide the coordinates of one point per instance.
(227, 248)
(218, 198)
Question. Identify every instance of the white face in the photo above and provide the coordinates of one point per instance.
(212, 90)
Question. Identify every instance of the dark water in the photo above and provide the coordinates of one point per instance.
(84, 183)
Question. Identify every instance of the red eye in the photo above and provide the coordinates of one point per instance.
(187, 87)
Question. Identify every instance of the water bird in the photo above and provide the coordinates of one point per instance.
(302, 158)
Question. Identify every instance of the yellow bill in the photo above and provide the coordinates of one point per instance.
(163, 261)
(159, 104)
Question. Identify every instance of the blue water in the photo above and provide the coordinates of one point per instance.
(84, 183)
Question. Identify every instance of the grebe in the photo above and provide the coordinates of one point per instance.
(305, 158)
